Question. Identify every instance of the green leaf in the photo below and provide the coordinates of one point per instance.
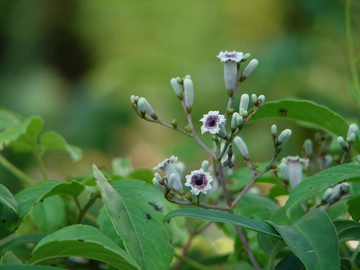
(290, 263)
(354, 209)
(142, 174)
(317, 184)
(82, 241)
(32, 195)
(7, 199)
(269, 244)
(121, 166)
(313, 240)
(10, 258)
(22, 240)
(53, 141)
(306, 111)
(49, 214)
(28, 267)
(216, 216)
(347, 230)
(140, 226)
(9, 119)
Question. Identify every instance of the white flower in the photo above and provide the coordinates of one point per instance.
(230, 56)
(211, 122)
(199, 181)
(295, 165)
(168, 168)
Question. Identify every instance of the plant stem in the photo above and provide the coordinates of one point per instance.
(247, 248)
(190, 262)
(223, 184)
(40, 161)
(15, 171)
(206, 206)
(87, 206)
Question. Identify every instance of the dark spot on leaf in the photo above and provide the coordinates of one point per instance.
(3, 220)
(282, 112)
(80, 240)
(156, 207)
(310, 187)
(34, 203)
(168, 221)
(53, 265)
(148, 216)
(118, 216)
(41, 200)
(251, 217)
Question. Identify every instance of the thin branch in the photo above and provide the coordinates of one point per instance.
(17, 172)
(206, 206)
(247, 248)
(87, 206)
(223, 185)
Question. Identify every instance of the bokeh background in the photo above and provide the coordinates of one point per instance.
(76, 63)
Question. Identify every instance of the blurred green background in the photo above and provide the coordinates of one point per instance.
(76, 63)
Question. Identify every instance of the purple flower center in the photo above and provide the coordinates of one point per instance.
(199, 180)
(230, 55)
(211, 121)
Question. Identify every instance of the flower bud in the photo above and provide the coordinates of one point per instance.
(254, 99)
(174, 123)
(187, 77)
(240, 144)
(327, 194)
(239, 121)
(244, 102)
(308, 147)
(230, 73)
(284, 170)
(205, 165)
(145, 107)
(342, 143)
(353, 129)
(134, 99)
(250, 67)
(222, 131)
(158, 177)
(328, 159)
(274, 130)
(176, 86)
(261, 100)
(246, 56)
(234, 120)
(351, 138)
(284, 137)
(189, 93)
(158, 185)
(243, 112)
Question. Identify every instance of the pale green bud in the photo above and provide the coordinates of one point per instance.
(351, 138)
(240, 144)
(188, 93)
(328, 159)
(353, 129)
(327, 194)
(239, 121)
(133, 99)
(243, 112)
(342, 143)
(205, 165)
(234, 123)
(246, 56)
(308, 147)
(244, 102)
(284, 137)
(145, 107)
(261, 100)
(157, 184)
(158, 177)
(187, 77)
(222, 132)
(254, 99)
(230, 73)
(250, 67)
(174, 123)
(284, 170)
(176, 86)
(274, 130)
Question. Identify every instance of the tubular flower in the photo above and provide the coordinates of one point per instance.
(230, 60)
(295, 165)
(212, 122)
(199, 181)
(169, 169)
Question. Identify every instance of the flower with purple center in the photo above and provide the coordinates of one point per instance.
(230, 60)
(230, 56)
(199, 181)
(212, 122)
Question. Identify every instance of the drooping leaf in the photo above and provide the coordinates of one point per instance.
(53, 141)
(317, 184)
(140, 226)
(32, 195)
(269, 244)
(10, 258)
(21, 240)
(313, 240)
(82, 241)
(217, 216)
(347, 230)
(354, 208)
(7, 199)
(306, 111)
(49, 214)
(28, 267)
(121, 166)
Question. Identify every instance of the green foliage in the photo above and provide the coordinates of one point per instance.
(8, 200)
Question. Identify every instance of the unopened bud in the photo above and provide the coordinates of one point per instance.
(284, 170)
(274, 131)
(261, 100)
(145, 107)
(353, 129)
(342, 143)
(158, 185)
(328, 159)
(244, 102)
(243, 112)
(189, 93)
(284, 137)
(250, 67)
(246, 56)
(230, 73)
(187, 77)
(239, 121)
(351, 138)
(240, 144)
(158, 177)
(171, 180)
(133, 99)
(327, 194)
(174, 123)
(176, 86)
(205, 165)
(234, 120)
(308, 147)
(254, 99)
(187, 128)
(222, 132)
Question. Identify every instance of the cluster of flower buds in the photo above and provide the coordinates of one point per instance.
(291, 169)
(172, 179)
(143, 106)
(350, 137)
(332, 195)
(283, 138)
(184, 90)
